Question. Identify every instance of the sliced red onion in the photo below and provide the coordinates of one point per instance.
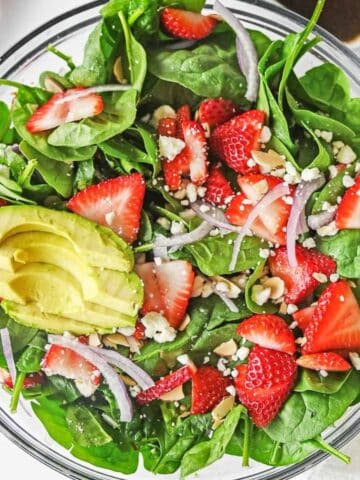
(183, 45)
(113, 380)
(160, 252)
(246, 51)
(228, 302)
(98, 89)
(214, 216)
(8, 353)
(302, 225)
(302, 194)
(142, 378)
(179, 241)
(320, 219)
(279, 191)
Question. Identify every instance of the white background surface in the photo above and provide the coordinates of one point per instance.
(18, 18)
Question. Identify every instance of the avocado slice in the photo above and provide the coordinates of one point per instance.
(31, 316)
(106, 317)
(53, 289)
(98, 245)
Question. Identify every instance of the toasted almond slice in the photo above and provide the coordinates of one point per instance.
(198, 286)
(223, 408)
(268, 161)
(185, 414)
(224, 285)
(184, 323)
(118, 71)
(276, 285)
(115, 339)
(226, 349)
(261, 187)
(127, 380)
(173, 396)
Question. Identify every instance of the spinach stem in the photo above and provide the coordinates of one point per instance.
(147, 247)
(325, 447)
(68, 60)
(275, 452)
(246, 446)
(16, 391)
(125, 28)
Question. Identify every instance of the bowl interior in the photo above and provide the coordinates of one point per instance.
(24, 63)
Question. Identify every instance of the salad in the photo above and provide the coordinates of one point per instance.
(179, 243)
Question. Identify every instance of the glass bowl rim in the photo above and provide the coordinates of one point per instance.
(61, 464)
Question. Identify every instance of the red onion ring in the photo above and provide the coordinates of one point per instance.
(320, 219)
(98, 89)
(228, 302)
(8, 353)
(185, 238)
(215, 217)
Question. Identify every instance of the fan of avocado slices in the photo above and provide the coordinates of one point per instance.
(179, 244)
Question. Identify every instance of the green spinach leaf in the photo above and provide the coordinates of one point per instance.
(312, 381)
(85, 427)
(30, 359)
(344, 247)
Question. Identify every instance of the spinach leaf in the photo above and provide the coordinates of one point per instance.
(344, 247)
(5, 119)
(21, 114)
(212, 255)
(30, 359)
(20, 336)
(210, 69)
(221, 313)
(312, 381)
(64, 388)
(27, 94)
(210, 339)
(323, 160)
(206, 453)
(56, 77)
(251, 305)
(308, 413)
(85, 174)
(119, 114)
(58, 175)
(158, 92)
(192, 5)
(85, 427)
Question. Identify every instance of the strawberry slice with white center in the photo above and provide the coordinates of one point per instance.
(69, 364)
(187, 25)
(166, 384)
(168, 289)
(336, 321)
(69, 106)
(115, 203)
(194, 136)
(328, 361)
(303, 317)
(269, 331)
(348, 213)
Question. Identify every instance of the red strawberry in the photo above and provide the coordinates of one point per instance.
(165, 385)
(183, 115)
(187, 25)
(116, 203)
(336, 321)
(64, 107)
(208, 389)
(268, 331)
(304, 317)
(194, 136)
(139, 331)
(234, 141)
(32, 380)
(69, 364)
(216, 111)
(300, 281)
(174, 170)
(329, 361)
(168, 288)
(271, 223)
(265, 384)
(348, 213)
(218, 189)
(167, 127)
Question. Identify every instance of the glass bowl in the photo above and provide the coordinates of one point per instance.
(24, 62)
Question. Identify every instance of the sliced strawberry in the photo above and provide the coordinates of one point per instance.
(69, 364)
(139, 331)
(165, 385)
(168, 289)
(304, 317)
(183, 115)
(167, 127)
(271, 223)
(32, 380)
(208, 389)
(194, 136)
(187, 25)
(336, 321)
(269, 331)
(265, 384)
(300, 281)
(234, 141)
(218, 189)
(65, 107)
(348, 213)
(216, 111)
(329, 361)
(116, 203)
(174, 170)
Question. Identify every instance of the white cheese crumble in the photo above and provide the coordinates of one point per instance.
(170, 147)
(158, 328)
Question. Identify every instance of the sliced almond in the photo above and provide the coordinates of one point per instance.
(260, 295)
(115, 339)
(173, 396)
(226, 349)
(185, 414)
(224, 285)
(268, 161)
(118, 71)
(94, 340)
(52, 85)
(223, 408)
(276, 285)
(261, 187)
(128, 381)
(217, 423)
(184, 323)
